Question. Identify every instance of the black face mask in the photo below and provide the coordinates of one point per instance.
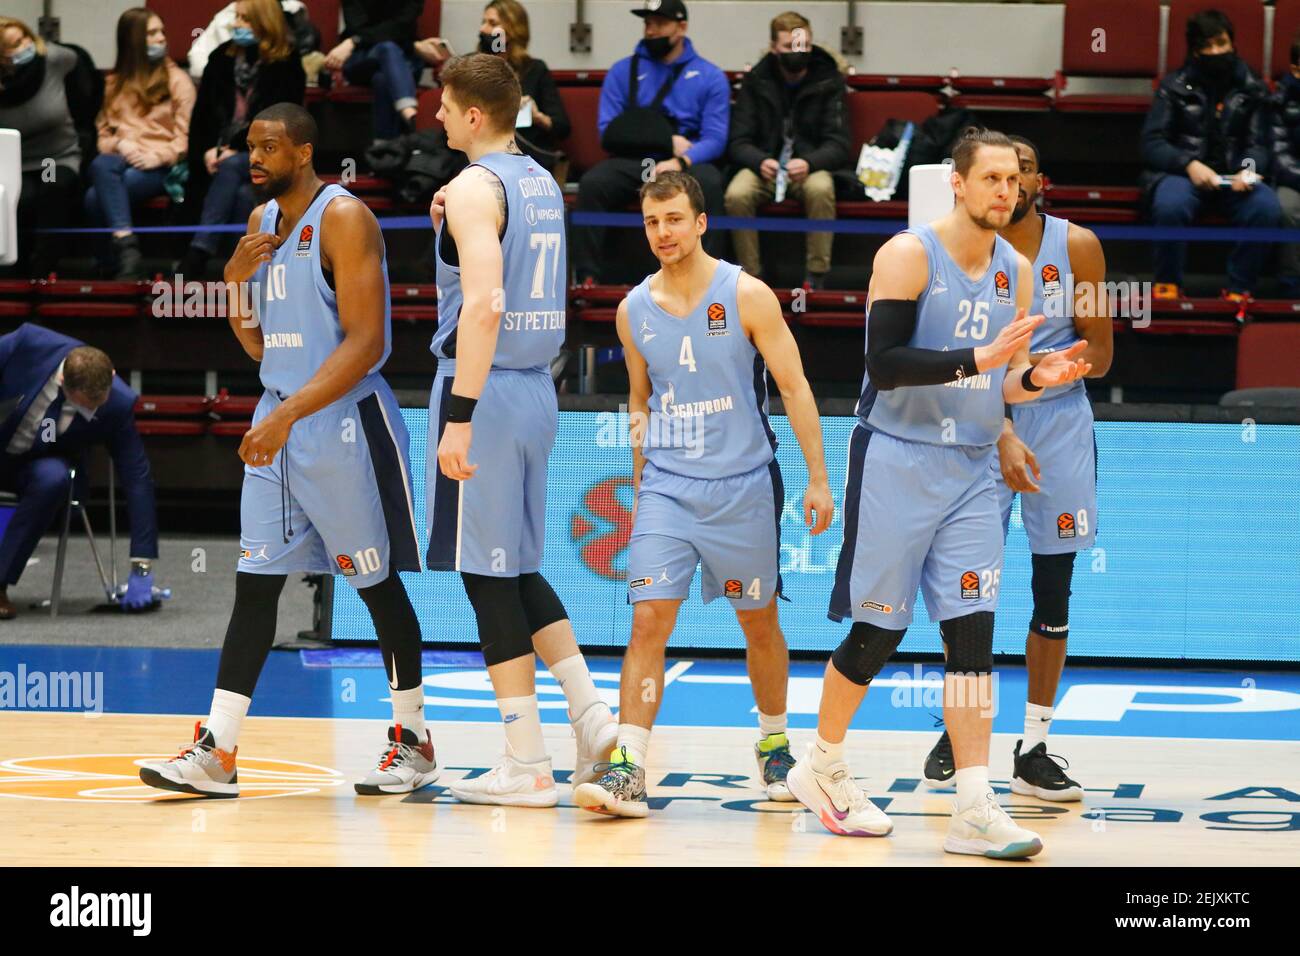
(658, 47)
(1218, 68)
(21, 83)
(794, 62)
(488, 43)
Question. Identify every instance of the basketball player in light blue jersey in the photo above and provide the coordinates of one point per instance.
(947, 345)
(1058, 504)
(492, 421)
(699, 337)
(327, 478)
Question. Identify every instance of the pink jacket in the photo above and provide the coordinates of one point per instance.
(161, 135)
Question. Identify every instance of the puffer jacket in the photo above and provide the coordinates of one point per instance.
(1284, 123)
(1177, 129)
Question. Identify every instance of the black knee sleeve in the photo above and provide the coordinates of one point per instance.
(970, 643)
(864, 651)
(398, 629)
(251, 631)
(1051, 587)
(503, 629)
(542, 605)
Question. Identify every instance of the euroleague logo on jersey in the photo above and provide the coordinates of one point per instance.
(304, 240)
(1003, 286)
(1051, 280)
(717, 314)
(1065, 525)
(970, 586)
(345, 564)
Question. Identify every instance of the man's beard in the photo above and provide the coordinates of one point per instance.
(985, 222)
(273, 188)
(1021, 211)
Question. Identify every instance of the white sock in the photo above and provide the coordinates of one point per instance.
(826, 754)
(408, 710)
(575, 680)
(769, 724)
(636, 740)
(228, 712)
(523, 728)
(1038, 721)
(972, 786)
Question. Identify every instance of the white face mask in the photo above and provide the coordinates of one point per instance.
(156, 51)
(24, 56)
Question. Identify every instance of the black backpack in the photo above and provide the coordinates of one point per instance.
(642, 131)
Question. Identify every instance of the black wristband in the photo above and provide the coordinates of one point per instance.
(460, 409)
(1027, 381)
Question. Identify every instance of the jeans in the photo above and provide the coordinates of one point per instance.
(229, 199)
(392, 75)
(1176, 203)
(116, 185)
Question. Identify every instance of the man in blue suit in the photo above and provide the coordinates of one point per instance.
(59, 397)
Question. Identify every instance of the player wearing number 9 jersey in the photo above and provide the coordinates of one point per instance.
(327, 477)
(947, 345)
(699, 338)
(502, 281)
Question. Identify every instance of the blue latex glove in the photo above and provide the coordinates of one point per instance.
(139, 591)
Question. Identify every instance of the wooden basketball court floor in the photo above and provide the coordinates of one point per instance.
(70, 795)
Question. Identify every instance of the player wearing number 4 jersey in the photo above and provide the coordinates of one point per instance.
(1058, 502)
(492, 421)
(326, 477)
(947, 345)
(699, 337)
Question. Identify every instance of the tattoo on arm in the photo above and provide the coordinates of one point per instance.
(498, 189)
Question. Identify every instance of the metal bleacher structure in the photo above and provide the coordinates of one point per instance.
(118, 315)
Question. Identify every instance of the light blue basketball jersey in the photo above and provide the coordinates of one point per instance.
(708, 399)
(535, 271)
(1054, 298)
(953, 312)
(296, 307)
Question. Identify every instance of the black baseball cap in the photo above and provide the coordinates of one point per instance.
(671, 9)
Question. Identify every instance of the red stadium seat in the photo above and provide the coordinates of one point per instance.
(1286, 23)
(183, 19)
(158, 426)
(1266, 355)
(172, 405)
(1132, 49)
(15, 309)
(427, 104)
(325, 14)
(425, 312)
(578, 77)
(230, 429)
(582, 103)
(868, 112)
(1247, 18)
(430, 20)
(883, 81)
(227, 406)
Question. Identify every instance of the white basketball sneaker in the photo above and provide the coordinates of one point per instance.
(511, 783)
(201, 767)
(841, 805)
(597, 733)
(985, 830)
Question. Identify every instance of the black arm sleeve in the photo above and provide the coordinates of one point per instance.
(892, 363)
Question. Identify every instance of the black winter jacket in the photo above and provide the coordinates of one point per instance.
(1178, 127)
(1284, 120)
(821, 129)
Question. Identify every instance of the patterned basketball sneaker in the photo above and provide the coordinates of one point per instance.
(1037, 774)
(619, 791)
(939, 766)
(406, 764)
(597, 733)
(985, 830)
(774, 762)
(837, 800)
(201, 767)
(511, 783)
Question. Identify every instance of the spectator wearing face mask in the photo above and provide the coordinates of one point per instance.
(664, 106)
(143, 131)
(1205, 147)
(254, 69)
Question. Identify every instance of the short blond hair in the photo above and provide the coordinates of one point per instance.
(788, 22)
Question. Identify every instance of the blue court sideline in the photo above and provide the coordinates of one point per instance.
(351, 684)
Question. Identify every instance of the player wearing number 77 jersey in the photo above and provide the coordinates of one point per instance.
(699, 337)
(492, 422)
(947, 345)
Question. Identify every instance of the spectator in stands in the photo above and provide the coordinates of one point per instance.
(143, 132)
(254, 69)
(1204, 144)
(789, 133)
(664, 77)
(304, 36)
(377, 48)
(1285, 138)
(38, 83)
(58, 398)
(504, 31)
